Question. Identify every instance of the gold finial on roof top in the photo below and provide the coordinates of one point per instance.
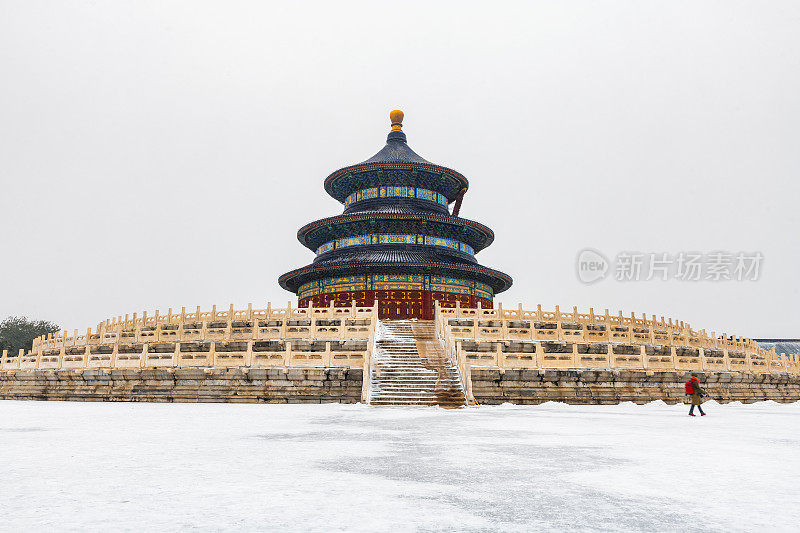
(397, 120)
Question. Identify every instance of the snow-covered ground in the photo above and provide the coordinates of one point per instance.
(156, 467)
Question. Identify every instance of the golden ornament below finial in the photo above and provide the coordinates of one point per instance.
(397, 120)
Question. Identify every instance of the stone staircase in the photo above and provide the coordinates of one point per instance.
(409, 367)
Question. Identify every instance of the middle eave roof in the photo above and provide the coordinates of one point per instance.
(304, 233)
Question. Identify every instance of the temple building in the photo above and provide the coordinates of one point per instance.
(397, 252)
(396, 242)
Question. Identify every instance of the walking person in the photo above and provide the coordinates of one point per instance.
(694, 389)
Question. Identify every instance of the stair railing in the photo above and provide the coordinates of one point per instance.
(452, 350)
(366, 374)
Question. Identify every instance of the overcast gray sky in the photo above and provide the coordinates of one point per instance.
(162, 154)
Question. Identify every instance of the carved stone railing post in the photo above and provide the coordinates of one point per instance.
(248, 356)
(499, 355)
(212, 353)
(63, 351)
(287, 360)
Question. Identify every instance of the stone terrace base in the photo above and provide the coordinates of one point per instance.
(337, 385)
(299, 385)
(524, 386)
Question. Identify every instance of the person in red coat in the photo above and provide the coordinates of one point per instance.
(694, 389)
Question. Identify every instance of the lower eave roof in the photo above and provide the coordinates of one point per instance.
(499, 281)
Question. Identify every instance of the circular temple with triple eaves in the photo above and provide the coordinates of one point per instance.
(396, 242)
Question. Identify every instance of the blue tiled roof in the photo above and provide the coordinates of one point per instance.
(396, 150)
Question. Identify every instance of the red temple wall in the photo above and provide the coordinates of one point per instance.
(397, 304)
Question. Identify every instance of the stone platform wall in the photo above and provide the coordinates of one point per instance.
(301, 385)
(324, 385)
(533, 386)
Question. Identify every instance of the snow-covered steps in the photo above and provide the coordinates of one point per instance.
(409, 367)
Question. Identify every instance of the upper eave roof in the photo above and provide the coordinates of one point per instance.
(396, 154)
